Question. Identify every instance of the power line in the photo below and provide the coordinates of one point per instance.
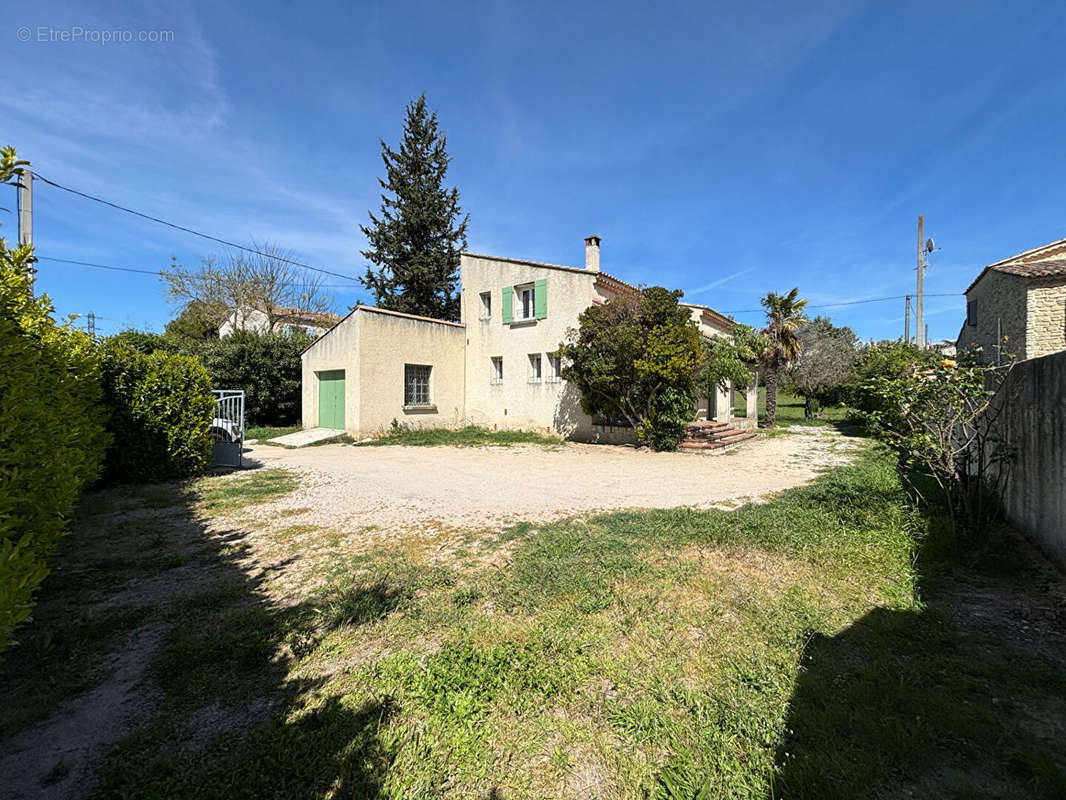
(849, 302)
(190, 230)
(158, 272)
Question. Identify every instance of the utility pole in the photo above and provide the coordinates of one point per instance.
(921, 268)
(907, 322)
(25, 213)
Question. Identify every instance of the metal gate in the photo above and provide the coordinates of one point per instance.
(227, 428)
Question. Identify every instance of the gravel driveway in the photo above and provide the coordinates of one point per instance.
(397, 488)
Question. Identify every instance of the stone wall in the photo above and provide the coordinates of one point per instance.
(1000, 297)
(1034, 425)
(1046, 316)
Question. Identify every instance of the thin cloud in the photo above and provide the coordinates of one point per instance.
(717, 283)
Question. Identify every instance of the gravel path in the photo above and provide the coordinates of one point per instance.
(395, 488)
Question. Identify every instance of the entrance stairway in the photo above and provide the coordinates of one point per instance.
(705, 436)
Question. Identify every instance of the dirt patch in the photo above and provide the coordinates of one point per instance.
(56, 758)
(383, 491)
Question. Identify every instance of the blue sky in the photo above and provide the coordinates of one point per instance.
(725, 149)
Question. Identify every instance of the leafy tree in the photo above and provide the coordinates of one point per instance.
(886, 359)
(198, 320)
(943, 419)
(784, 314)
(416, 241)
(266, 366)
(265, 280)
(143, 342)
(638, 358)
(826, 358)
(731, 359)
(52, 437)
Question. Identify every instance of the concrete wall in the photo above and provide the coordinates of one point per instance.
(372, 347)
(519, 402)
(1034, 424)
(389, 341)
(1046, 316)
(339, 349)
(1001, 296)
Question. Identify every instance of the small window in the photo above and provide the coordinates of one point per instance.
(525, 302)
(535, 374)
(416, 384)
(486, 305)
(497, 370)
(555, 367)
(971, 312)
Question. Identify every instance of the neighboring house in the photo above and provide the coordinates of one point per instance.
(286, 319)
(496, 368)
(1021, 300)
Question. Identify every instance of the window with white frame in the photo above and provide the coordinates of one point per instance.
(416, 384)
(535, 373)
(486, 305)
(555, 367)
(526, 305)
(496, 376)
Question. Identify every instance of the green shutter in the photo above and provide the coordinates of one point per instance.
(540, 298)
(508, 300)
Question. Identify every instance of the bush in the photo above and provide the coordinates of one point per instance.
(267, 367)
(52, 439)
(889, 360)
(160, 408)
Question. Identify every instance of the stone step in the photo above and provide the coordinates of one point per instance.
(716, 443)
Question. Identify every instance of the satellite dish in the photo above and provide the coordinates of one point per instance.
(929, 245)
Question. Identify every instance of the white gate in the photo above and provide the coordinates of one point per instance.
(227, 428)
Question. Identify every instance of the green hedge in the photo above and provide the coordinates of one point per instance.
(52, 438)
(160, 408)
(266, 366)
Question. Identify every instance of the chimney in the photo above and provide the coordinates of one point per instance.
(592, 253)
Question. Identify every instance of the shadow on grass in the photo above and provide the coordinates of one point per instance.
(174, 679)
(966, 698)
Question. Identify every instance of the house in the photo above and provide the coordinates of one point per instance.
(1018, 303)
(286, 319)
(498, 367)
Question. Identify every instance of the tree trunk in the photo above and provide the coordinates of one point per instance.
(808, 407)
(771, 396)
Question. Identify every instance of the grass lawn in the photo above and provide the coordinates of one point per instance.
(812, 646)
(789, 409)
(470, 436)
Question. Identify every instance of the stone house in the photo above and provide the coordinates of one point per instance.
(1018, 304)
(498, 367)
(286, 319)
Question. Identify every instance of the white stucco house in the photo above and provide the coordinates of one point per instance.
(286, 319)
(495, 368)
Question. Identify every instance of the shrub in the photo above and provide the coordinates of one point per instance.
(889, 360)
(160, 407)
(267, 367)
(638, 358)
(52, 437)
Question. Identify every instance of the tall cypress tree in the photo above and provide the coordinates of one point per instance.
(416, 240)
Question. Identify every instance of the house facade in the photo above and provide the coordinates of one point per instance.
(1018, 304)
(286, 319)
(497, 368)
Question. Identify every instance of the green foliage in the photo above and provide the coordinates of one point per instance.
(160, 407)
(416, 242)
(199, 320)
(638, 358)
(825, 361)
(943, 423)
(468, 436)
(52, 438)
(784, 315)
(887, 359)
(143, 342)
(266, 366)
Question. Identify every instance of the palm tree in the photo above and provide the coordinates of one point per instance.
(784, 313)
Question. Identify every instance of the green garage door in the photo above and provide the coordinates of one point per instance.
(331, 399)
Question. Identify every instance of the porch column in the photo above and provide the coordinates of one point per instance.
(753, 398)
(702, 404)
(722, 403)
